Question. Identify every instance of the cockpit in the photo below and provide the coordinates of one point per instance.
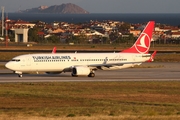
(14, 64)
(16, 60)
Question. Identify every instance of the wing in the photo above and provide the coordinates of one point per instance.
(108, 65)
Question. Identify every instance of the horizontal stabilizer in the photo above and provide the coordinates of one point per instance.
(152, 57)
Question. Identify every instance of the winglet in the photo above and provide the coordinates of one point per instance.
(143, 42)
(152, 57)
(54, 50)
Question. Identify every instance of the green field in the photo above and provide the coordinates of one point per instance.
(91, 100)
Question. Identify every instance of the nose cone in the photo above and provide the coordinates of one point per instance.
(8, 65)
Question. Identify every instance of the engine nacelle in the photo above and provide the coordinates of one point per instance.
(80, 71)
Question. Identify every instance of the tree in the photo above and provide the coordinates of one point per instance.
(124, 27)
(82, 38)
(33, 34)
(53, 39)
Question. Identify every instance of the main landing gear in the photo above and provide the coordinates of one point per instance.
(91, 74)
(74, 75)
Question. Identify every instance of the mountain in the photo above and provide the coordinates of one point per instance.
(68, 8)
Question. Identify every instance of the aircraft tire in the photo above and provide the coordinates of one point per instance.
(20, 75)
(74, 75)
(91, 75)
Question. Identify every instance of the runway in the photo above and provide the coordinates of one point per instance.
(149, 72)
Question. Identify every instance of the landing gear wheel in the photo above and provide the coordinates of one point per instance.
(20, 75)
(74, 75)
(91, 75)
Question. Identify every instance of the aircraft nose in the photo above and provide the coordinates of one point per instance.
(8, 65)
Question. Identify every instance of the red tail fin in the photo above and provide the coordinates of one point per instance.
(143, 43)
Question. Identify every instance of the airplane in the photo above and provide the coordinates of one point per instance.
(85, 64)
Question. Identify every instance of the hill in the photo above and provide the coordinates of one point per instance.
(68, 8)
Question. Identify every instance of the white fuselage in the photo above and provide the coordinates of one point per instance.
(64, 62)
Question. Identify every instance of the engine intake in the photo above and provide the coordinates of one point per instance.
(76, 71)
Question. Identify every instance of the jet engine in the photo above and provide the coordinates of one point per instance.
(76, 71)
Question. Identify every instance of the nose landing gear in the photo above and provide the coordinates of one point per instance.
(20, 75)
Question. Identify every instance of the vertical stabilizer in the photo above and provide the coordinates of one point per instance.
(54, 50)
(143, 42)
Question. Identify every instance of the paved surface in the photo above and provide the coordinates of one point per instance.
(150, 72)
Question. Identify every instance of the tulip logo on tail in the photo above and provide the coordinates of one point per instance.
(143, 44)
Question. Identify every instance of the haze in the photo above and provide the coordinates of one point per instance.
(100, 6)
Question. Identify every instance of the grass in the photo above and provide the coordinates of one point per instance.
(7, 56)
(121, 46)
(91, 99)
(2, 67)
(168, 57)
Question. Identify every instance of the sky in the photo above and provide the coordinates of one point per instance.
(100, 6)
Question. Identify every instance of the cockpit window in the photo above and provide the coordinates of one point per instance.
(17, 60)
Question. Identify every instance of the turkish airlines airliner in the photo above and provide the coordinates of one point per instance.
(85, 64)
